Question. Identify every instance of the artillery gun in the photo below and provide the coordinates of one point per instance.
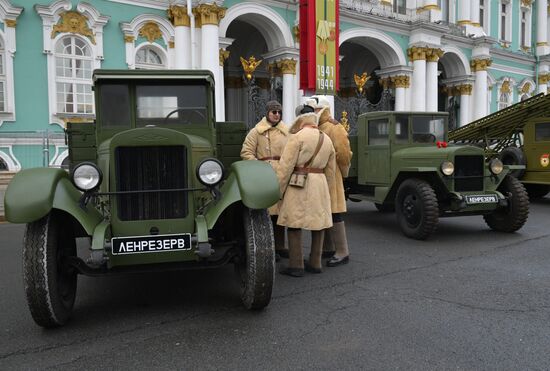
(518, 135)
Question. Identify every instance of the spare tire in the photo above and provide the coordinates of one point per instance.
(513, 156)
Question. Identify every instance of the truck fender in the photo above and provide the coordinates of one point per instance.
(252, 182)
(32, 193)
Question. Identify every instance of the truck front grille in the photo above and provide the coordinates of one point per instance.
(469, 173)
(153, 168)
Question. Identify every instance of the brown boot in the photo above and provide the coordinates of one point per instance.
(328, 244)
(314, 264)
(341, 243)
(296, 257)
(281, 250)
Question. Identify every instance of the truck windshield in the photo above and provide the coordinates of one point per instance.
(542, 132)
(171, 104)
(428, 129)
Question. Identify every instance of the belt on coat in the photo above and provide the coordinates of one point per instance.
(275, 158)
(308, 170)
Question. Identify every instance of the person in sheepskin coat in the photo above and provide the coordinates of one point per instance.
(265, 142)
(306, 207)
(336, 243)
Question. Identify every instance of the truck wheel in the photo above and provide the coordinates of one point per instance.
(417, 209)
(513, 217)
(513, 156)
(384, 208)
(257, 269)
(537, 190)
(50, 285)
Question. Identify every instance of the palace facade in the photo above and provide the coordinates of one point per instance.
(466, 57)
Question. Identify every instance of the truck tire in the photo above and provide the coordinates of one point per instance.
(384, 208)
(537, 190)
(417, 209)
(257, 269)
(513, 156)
(50, 285)
(513, 217)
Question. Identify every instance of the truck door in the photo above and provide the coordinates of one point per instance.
(376, 157)
(536, 146)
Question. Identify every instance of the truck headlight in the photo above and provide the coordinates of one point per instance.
(210, 172)
(496, 166)
(86, 176)
(447, 168)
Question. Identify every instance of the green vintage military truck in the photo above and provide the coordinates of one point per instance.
(155, 184)
(518, 135)
(402, 162)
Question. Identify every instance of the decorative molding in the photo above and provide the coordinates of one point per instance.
(544, 78)
(178, 16)
(209, 14)
(385, 83)
(480, 64)
(10, 23)
(129, 39)
(526, 88)
(296, 33)
(224, 55)
(505, 87)
(150, 31)
(171, 44)
(542, 43)
(287, 66)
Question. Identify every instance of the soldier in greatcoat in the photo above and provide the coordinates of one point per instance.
(335, 238)
(305, 171)
(265, 142)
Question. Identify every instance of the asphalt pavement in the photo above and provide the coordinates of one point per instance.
(467, 298)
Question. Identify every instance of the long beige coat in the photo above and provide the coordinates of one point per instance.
(339, 137)
(307, 207)
(264, 141)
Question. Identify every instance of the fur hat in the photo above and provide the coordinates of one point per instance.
(303, 108)
(318, 102)
(273, 105)
(306, 118)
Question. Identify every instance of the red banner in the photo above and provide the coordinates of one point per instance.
(319, 41)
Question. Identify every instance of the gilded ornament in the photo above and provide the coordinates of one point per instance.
(178, 16)
(344, 121)
(526, 88)
(150, 31)
(296, 33)
(224, 54)
(544, 78)
(480, 64)
(10, 23)
(210, 13)
(400, 81)
(505, 88)
(433, 55)
(464, 89)
(416, 53)
(287, 66)
(360, 81)
(526, 3)
(129, 39)
(385, 83)
(171, 44)
(73, 22)
(249, 66)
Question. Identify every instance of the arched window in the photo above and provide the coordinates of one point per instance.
(73, 76)
(2, 77)
(3, 165)
(504, 100)
(148, 58)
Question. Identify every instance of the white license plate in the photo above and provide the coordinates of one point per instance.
(151, 244)
(482, 199)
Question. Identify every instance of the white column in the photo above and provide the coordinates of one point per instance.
(480, 88)
(418, 56)
(220, 91)
(464, 12)
(130, 55)
(542, 24)
(288, 69)
(208, 17)
(182, 36)
(465, 93)
(474, 13)
(431, 79)
(401, 84)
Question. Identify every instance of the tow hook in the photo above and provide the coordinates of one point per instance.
(204, 250)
